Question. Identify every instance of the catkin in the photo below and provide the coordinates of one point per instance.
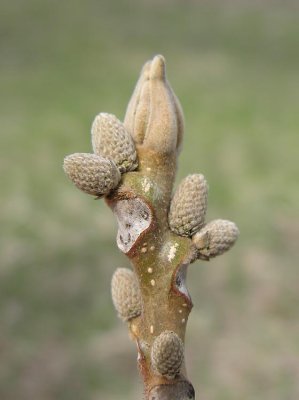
(91, 173)
(215, 238)
(125, 294)
(167, 354)
(189, 205)
(111, 140)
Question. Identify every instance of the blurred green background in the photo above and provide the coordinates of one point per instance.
(234, 65)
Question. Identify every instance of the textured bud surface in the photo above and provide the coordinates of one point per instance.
(215, 238)
(91, 173)
(189, 205)
(125, 294)
(167, 354)
(111, 140)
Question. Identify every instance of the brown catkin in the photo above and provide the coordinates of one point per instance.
(126, 294)
(215, 238)
(167, 354)
(111, 140)
(189, 205)
(91, 173)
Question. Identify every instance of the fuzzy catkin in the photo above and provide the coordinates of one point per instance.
(167, 354)
(91, 173)
(111, 140)
(189, 205)
(126, 294)
(215, 238)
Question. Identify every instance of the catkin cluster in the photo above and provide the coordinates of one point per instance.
(114, 154)
(154, 122)
(187, 214)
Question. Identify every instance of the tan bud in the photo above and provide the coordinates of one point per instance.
(215, 238)
(189, 205)
(154, 116)
(167, 354)
(111, 140)
(126, 294)
(180, 122)
(91, 173)
(138, 108)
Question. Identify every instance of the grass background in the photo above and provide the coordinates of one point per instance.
(234, 65)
